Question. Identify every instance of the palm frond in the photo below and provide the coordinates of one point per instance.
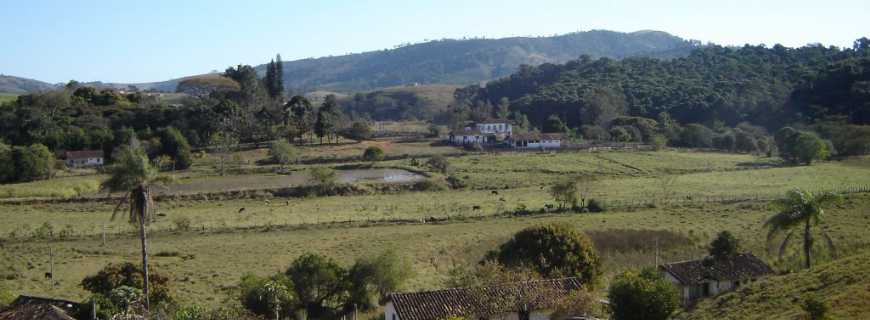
(780, 222)
(785, 242)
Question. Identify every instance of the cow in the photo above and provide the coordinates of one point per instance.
(494, 192)
(475, 208)
(242, 210)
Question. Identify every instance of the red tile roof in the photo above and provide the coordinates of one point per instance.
(742, 266)
(441, 304)
(83, 154)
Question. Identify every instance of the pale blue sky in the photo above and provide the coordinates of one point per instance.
(154, 40)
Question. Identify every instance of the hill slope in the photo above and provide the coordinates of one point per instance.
(11, 84)
(841, 283)
(470, 61)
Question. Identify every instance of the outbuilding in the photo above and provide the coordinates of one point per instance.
(711, 276)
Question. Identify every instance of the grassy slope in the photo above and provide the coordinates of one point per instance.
(842, 283)
(5, 97)
(220, 258)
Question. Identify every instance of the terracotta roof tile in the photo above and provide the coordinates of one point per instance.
(441, 304)
(737, 267)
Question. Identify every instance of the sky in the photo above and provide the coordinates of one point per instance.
(155, 40)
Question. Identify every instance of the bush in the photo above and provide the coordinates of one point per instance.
(815, 308)
(455, 183)
(182, 223)
(373, 154)
(429, 185)
(282, 153)
(359, 131)
(324, 177)
(809, 147)
(724, 245)
(127, 274)
(594, 206)
(696, 136)
(566, 193)
(659, 142)
(552, 251)
(174, 144)
(32, 163)
(645, 296)
(439, 163)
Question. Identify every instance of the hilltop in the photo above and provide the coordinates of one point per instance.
(12, 84)
(448, 61)
(840, 283)
(469, 61)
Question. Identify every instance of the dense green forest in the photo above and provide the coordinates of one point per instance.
(767, 86)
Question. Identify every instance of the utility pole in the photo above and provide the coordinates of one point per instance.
(657, 252)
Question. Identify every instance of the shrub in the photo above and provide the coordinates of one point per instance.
(439, 163)
(815, 308)
(594, 133)
(359, 131)
(724, 245)
(455, 183)
(696, 136)
(429, 185)
(644, 296)
(127, 274)
(324, 177)
(282, 153)
(174, 144)
(373, 154)
(566, 193)
(809, 147)
(659, 142)
(182, 223)
(552, 251)
(32, 163)
(594, 206)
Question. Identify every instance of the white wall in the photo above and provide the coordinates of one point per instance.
(390, 312)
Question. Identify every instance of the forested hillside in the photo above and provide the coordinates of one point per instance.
(470, 61)
(767, 86)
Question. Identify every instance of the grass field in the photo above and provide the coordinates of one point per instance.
(201, 262)
(205, 245)
(6, 97)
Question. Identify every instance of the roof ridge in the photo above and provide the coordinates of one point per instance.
(505, 284)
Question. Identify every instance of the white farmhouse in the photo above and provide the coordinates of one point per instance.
(468, 137)
(536, 141)
(84, 158)
(711, 276)
(494, 127)
(535, 298)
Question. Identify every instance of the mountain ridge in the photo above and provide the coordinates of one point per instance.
(446, 61)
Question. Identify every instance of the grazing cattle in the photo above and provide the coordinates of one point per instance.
(494, 192)
(548, 206)
(48, 275)
(501, 199)
(287, 203)
(475, 208)
(242, 210)
(267, 202)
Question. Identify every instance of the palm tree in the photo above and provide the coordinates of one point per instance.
(134, 175)
(799, 208)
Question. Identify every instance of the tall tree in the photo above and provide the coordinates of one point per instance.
(279, 75)
(299, 117)
(328, 117)
(800, 209)
(133, 175)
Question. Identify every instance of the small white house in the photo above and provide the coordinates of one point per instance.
(491, 303)
(536, 141)
(712, 276)
(83, 158)
(494, 127)
(468, 137)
